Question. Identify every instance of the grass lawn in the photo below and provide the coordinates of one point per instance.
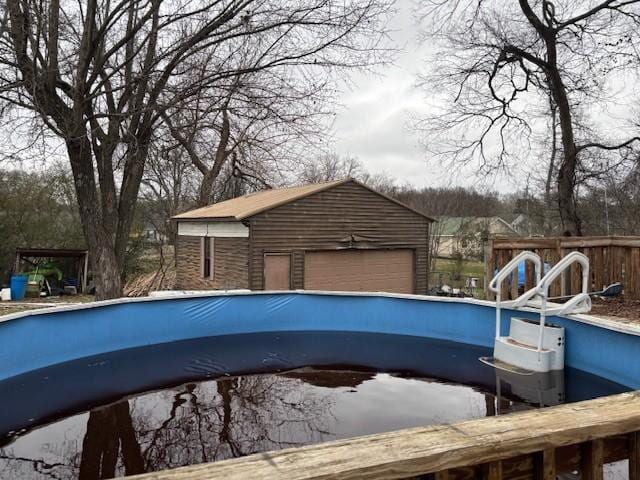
(469, 268)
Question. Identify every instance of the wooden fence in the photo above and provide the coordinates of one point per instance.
(612, 259)
(536, 444)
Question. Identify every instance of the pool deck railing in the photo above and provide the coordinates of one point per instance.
(536, 444)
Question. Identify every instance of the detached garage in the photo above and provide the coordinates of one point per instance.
(338, 235)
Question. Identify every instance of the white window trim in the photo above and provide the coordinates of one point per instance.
(213, 229)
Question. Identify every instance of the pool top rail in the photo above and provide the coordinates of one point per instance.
(537, 444)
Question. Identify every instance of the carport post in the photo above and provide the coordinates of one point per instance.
(16, 267)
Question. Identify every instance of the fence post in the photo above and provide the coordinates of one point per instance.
(591, 460)
(488, 270)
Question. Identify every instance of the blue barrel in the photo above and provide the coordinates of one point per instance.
(18, 287)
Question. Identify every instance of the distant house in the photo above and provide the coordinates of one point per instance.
(152, 234)
(149, 233)
(521, 223)
(466, 235)
(338, 235)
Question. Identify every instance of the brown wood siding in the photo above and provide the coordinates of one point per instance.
(360, 270)
(229, 262)
(325, 221)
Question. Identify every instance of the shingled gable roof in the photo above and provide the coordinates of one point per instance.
(246, 206)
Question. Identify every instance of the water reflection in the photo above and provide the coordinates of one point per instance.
(232, 417)
(84, 420)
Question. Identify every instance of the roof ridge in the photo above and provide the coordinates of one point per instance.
(288, 187)
(242, 212)
(249, 205)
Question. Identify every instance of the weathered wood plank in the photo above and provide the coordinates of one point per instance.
(576, 278)
(634, 456)
(529, 276)
(565, 242)
(492, 471)
(607, 266)
(545, 465)
(418, 451)
(567, 459)
(503, 259)
(591, 460)
(525, 243)
(598, 269)
(514, 277)
(633, 290)
(489, 268)
(627, 277)
(442, 475)
(554, 257)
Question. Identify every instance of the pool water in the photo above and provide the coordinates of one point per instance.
(209, 399)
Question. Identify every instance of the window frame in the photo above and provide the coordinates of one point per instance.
(207, 262)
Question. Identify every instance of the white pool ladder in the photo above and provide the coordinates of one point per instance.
(535, 346)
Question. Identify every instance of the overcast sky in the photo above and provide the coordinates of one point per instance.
(374, 124)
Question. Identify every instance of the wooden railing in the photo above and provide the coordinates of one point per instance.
(536, 444)
(611, 259)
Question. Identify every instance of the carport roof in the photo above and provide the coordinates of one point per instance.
(248, 205)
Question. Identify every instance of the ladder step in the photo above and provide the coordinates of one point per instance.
(524, 356)
(524, 345)
(527, 332)
(507, 367)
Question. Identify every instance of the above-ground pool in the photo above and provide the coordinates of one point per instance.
(137, 386)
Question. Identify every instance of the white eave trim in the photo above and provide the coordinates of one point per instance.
(213, 229)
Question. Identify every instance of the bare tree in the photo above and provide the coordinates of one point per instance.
(189, 424)
(329, 167)
(244, 128)
(168, 187)
(99, 74)
(501, 61)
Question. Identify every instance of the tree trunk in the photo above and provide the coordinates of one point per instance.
(99, 237)
(221, 156)
(206, 188)
(546, 218)
(99, 446)
(567, 172)
(131, 451)
(109, 432)
(107, 274)
(566, 196)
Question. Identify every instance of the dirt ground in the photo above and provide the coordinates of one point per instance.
(7, 308)
(618, 307)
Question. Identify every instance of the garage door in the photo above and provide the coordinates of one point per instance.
(360, 270)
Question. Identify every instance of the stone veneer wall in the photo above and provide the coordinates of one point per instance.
(230, 264)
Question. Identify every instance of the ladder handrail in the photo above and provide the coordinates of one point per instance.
(555, 272)
(581, 303)
(561, 266)
(504, 272)
(542, 289)
(523, 299)
(578, 304)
